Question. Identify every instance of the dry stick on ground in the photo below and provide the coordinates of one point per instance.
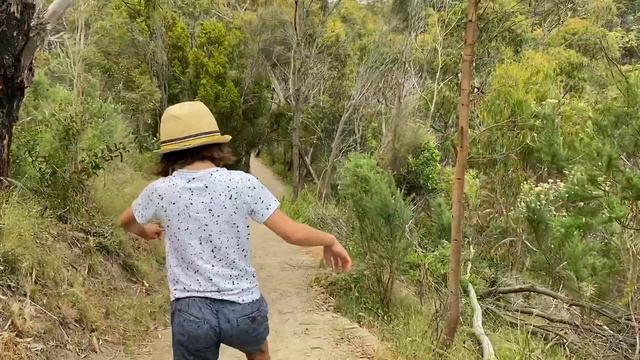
(552, 294)
(538, 330)
(597, 333)
(536, 313)
(583, 328)
(478, 330)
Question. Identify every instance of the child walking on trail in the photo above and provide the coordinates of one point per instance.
(204, 212)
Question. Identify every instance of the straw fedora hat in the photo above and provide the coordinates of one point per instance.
(187, 125)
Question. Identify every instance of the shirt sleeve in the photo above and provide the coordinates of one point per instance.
(261, 203)
(144, 207)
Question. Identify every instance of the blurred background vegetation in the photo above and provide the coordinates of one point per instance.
(363, 94)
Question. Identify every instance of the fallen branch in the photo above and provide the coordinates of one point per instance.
(552, 294)
(518, 323)
(536, 313)
(583, 330)
(586, 328)
(533, 328)
(478, 330)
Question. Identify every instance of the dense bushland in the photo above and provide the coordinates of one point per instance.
(355, 103)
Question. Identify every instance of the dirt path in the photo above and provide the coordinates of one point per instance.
(299, 328)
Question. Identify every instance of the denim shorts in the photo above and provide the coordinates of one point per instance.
(200, 325)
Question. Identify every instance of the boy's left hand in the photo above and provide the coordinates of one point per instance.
(152, 231)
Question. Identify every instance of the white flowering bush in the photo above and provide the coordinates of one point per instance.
(563, 236)
(539, 204)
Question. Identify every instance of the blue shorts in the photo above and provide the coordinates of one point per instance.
(200, 325)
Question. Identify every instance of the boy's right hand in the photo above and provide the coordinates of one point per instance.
(151, 231)
(337, 257)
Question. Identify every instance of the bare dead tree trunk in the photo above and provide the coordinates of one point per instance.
(335, 150)
(295, 86)
(21, 33)
(159, 61)
(307, 163)
(295, 153)
(10, 101)
(366, 76)
(457, 211)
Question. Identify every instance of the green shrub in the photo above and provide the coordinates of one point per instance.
(577, 249)
(422, 173)
(63, 141)
(439, 228)
(383, 221)
(586, 38)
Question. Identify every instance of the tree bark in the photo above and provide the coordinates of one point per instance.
(9, 107)
(457, 211)
(15, 28)
(38, 31)
(21, 33)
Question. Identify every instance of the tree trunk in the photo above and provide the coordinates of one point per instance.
(364, 81)
(457, 211)
(159, 62)
(325, 182)
(21, 33)
(10, 102)
(15, 30)
(295, 149)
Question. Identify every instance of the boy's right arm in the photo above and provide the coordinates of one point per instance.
(149, 231)
(304, 235)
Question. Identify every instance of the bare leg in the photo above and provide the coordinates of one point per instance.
(263, 354)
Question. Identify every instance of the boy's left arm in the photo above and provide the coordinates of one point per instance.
(149, 231)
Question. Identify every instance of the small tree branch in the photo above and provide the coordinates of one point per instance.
(56, 10)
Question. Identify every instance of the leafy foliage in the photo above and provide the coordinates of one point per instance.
(64, 142)
(551, 194)
(423, 173)
(384, 221)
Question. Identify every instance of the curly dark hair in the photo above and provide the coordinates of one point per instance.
(219, 154)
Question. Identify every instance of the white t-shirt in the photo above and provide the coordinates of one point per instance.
(205, 215)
